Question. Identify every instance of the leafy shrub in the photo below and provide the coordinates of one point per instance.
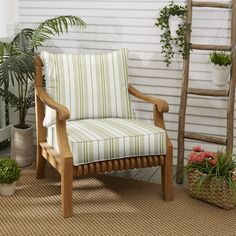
(9, 171)
(220, 58)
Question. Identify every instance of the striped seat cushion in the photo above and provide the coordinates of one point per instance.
(90, 86)
(111, 138)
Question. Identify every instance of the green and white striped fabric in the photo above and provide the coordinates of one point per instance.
(90, 86)
(112, 138)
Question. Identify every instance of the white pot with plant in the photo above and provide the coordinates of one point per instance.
(220, 68)
(17, 66)
(9, 174)
(172, 22)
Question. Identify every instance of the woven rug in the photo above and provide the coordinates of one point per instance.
(106, 205)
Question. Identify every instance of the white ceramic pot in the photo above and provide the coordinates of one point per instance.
(220, 74)
(8, 189)
(174, 22)
(22, 146)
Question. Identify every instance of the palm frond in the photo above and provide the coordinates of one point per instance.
(54, 26)
(17, 68)
(11, 98)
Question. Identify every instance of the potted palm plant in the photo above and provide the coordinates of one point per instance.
(220, 67)
(9, 174)
(17, 68)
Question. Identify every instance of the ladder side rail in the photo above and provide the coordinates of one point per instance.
(183, 100)
(232, 83)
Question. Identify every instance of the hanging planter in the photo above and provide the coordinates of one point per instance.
(172, 21)
(220, 68)
(174, 24)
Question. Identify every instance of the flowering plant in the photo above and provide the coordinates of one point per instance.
(217, 167)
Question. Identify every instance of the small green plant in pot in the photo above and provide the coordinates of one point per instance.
(17, 68)
(220, 67)
(9, 174)
(172, 21)
(212, 177)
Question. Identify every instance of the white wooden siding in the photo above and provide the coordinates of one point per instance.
(112, 24)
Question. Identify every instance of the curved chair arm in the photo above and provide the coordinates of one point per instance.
(161, 104)
(63, 112)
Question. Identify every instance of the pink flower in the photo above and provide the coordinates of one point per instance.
(212, 158)
(196, 157)
(198, 149)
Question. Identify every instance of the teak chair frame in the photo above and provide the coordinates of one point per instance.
(62, 161)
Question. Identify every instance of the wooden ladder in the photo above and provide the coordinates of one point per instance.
(230, 93)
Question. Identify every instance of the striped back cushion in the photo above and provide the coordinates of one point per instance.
(90, 86)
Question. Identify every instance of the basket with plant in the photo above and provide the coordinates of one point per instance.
(212, 177)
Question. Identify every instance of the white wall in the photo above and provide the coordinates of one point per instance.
(113, 24)
(8, 17)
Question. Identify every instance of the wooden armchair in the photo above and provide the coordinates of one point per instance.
(60, 155)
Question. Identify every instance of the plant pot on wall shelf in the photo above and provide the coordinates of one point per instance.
(22, 145)
(220, 68)
(174, 24)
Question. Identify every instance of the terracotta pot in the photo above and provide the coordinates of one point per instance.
(22, 145)
(8, 189)
(220, 74)
(174, 22)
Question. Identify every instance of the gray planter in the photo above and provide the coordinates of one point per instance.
(22, 145)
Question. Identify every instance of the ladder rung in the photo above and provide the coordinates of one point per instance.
(211, 47)
(208, 92)
(211, 4)
(204, 138)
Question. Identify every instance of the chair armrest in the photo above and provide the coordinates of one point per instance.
(63, 112)
(161, 104)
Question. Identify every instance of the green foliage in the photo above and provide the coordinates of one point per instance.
(166, 39)
(17, 61)
(223, 172)
(9, 171)
(220, 58)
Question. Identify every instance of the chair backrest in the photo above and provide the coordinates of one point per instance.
(90, 86)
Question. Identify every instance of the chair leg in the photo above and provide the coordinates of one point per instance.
(67, 187)
(40, 162)
(166, 174)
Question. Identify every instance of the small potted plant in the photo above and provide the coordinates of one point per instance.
(220, 67)
(172, 21)
(212, 177)
(9, 174)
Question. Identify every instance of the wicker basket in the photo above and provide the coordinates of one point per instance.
(212, 192)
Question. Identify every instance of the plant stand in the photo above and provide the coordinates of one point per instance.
(228, 93)
(212, 192)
